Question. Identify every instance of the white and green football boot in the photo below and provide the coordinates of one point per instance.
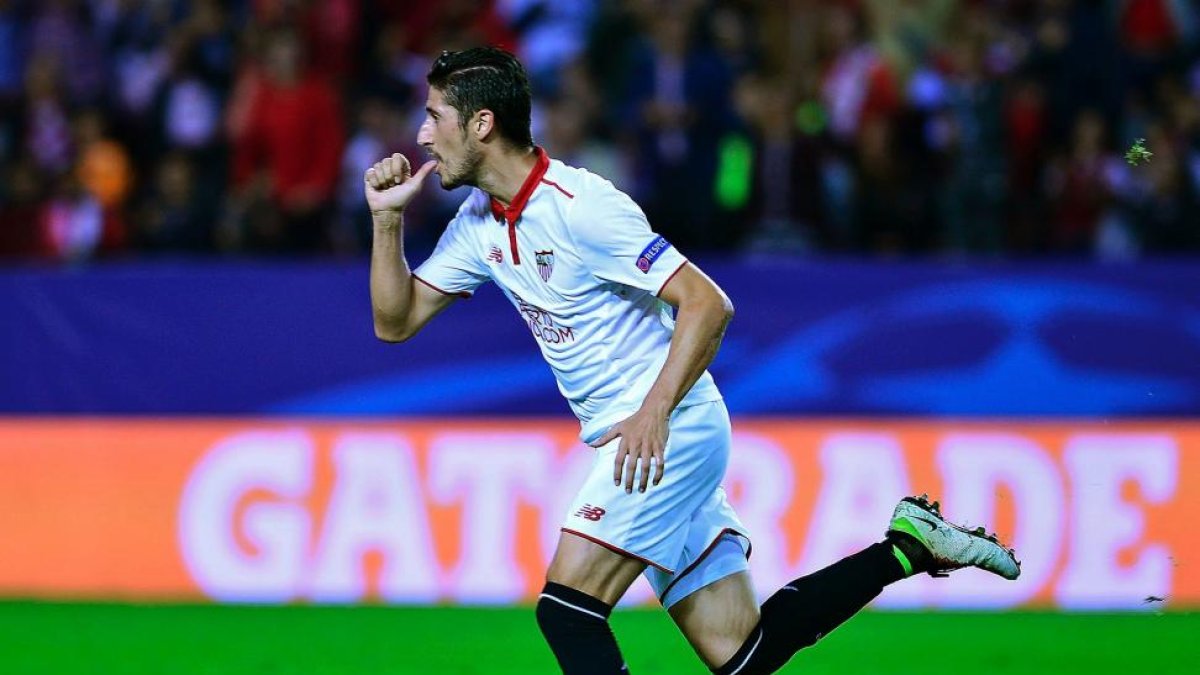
(950, 546)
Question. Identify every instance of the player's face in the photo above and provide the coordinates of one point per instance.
(457, 154)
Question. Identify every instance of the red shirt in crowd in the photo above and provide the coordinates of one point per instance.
(296, 134)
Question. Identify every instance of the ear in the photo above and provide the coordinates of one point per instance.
(482, 124)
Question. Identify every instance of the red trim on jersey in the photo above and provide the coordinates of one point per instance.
(615, 549)
(513, 211)
(697, 561)
(461, 294)
(664, 285)
(560, 188)
(512, 242)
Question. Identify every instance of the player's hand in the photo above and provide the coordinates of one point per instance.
(643, 440)
(390, 185)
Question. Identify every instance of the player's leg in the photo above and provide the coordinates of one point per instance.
(583, 583)
(717, 619)
(610, 536)
(801, 612)
(711, 598)
(794, 617)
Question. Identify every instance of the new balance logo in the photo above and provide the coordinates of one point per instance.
(496, 255)
(590, 512)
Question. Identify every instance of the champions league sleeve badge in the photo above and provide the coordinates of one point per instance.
(649, 254)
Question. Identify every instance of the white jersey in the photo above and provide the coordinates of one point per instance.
(578, 259)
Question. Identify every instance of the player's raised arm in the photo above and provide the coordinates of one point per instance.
(400, 307)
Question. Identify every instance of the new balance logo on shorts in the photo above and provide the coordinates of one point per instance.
(590, 512)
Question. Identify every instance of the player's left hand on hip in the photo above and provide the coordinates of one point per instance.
(643, 442)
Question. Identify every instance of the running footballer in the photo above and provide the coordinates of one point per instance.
(628, 327)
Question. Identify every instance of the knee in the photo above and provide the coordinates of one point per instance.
(561, 610)
(583, 566)
(720, 645)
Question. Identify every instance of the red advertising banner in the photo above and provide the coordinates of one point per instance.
(1102, 515)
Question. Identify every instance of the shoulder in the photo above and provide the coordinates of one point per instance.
(569, 181)
(603, 215)
(593, 194)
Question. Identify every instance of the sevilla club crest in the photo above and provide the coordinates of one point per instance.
(545, 264)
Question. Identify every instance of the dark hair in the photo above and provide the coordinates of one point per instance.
(486, 77)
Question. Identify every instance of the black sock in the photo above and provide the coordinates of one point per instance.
(800, 613)
(916, 558)
(576, 627)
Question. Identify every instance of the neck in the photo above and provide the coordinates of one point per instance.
(503, 174)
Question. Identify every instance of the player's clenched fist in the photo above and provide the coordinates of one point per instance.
(390, 185)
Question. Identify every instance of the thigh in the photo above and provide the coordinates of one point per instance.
(593, 569)
(717, 618)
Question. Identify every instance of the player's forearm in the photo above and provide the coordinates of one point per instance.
(391, 279)
(699, 329)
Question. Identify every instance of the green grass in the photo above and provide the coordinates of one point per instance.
(40, 638)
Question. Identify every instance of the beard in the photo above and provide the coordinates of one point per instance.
(466, 171)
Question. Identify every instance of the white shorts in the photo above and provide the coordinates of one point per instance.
(683, 528)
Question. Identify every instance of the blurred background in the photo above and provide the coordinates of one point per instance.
(138, 128)
(948, 278)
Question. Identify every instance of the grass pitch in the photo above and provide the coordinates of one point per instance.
(60, 639)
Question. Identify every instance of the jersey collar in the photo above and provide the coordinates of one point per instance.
(513, 212)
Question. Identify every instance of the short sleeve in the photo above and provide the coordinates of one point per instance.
(455, 267)
(617, 244)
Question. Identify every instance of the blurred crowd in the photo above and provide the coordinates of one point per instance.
(129, 127)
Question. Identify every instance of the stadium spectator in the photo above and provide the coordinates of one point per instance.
(784, 202)
(290, 148)
(677, 111)
(379, 132)
(61, 31)
(174, 215)
(858, 85)
(969, 132)
(550, 34)
(103, 168)
(47, 127)
(431, 26)
(1026, 128)
(72, 222)
(21, 204)
(1169, 207)
(1079, 186)
(12, 54)
(332, 31)
(566, 136)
